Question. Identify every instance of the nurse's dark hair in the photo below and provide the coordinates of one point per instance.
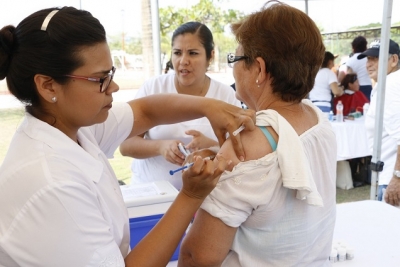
(199, 29)
(26, 50)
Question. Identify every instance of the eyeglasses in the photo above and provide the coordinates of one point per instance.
(104, 82)
(232, 59)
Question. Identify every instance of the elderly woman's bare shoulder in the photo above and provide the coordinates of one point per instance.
(254, 143)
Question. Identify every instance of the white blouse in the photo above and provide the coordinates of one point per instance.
(61, 204)
(283, 203)
(157, 168)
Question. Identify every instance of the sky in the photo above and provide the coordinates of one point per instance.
(119, 16)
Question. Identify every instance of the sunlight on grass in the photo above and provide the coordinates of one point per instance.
(122, 167)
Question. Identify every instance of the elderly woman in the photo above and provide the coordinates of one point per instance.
(276, 208)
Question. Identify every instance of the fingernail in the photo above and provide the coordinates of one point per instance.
(241, 158)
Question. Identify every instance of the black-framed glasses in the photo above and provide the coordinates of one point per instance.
(104, 82)
(232, 59)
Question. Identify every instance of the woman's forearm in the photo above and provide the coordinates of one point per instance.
(160, 109)
(157, 247)
(139, 148)
(163, 239)
(336, 89)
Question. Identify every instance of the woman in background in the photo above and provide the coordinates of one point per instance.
(358, 66)
(156, 152)
(326, 85)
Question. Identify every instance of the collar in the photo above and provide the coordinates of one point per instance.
(348, 92)
(87, 157)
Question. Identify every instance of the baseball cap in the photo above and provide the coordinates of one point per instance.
(373, 50)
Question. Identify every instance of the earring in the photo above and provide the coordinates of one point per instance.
(257, 83)
(54, 99)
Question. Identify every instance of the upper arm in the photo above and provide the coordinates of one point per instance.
(129, 144)
(349, 70)
(111, 133)
(336, 90)
(255, 145)
(207, 242)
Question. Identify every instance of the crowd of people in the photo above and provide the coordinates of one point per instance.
(262, 183)
(334, 84)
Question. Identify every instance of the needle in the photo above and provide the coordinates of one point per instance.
(181, 168)
(187, 166)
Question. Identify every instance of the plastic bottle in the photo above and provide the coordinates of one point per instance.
(330, 115)
(333, 257)
(349, 253)
(365, 108)
(339, 111)
(341, 254)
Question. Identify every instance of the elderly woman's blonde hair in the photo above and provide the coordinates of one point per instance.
(289, 42)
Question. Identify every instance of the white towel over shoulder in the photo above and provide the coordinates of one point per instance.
(295, 167)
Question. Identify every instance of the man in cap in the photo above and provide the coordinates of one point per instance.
(389, 178)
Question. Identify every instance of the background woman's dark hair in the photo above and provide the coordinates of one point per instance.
(349, 78)
(204, 33)
(359, 44)
(168, 66)
(290, 44)
(27, 50)
(328, 57)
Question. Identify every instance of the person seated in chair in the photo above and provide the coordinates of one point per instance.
(352, 99)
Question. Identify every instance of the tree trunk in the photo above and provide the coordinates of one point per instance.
(216, 58)
(147, 40)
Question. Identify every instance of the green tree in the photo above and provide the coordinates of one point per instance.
(342, 44)
(207, 12)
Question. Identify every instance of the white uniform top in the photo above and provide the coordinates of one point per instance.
(390, 128)
(276, 227)
(61, 204)
(359, 66)
(321, 92)
(157, 168)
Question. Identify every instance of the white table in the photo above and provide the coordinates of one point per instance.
(372, 229)
(351, 139)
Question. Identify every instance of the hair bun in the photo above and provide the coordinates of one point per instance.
(6, 43)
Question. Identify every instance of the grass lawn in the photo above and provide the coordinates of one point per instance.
(11, 118)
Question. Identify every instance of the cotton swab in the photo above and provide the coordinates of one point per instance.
(236, 132)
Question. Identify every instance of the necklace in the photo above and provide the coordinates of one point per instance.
(190, 90)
